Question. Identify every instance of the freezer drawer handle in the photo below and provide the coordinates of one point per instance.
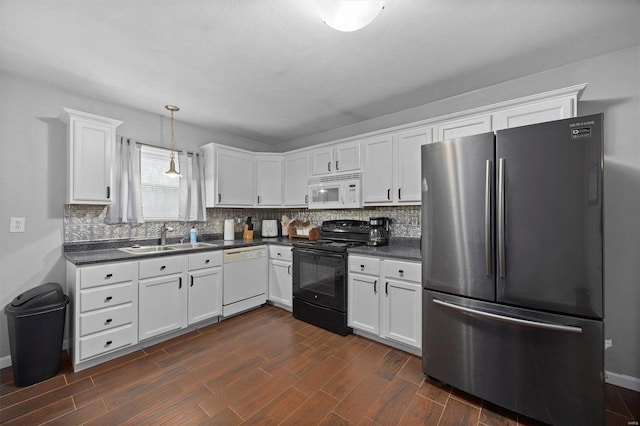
(557, 327)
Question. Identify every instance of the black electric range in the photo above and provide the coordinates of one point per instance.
(320, 274)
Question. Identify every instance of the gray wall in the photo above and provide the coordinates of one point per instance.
(32, 174)
(32, 167)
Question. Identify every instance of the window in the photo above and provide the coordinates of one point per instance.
(160, 193)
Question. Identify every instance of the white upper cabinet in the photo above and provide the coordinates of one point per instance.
(229, 177)
(391, 167)
(296, 176)
(268, 180)
(90, 153)
(464, 127)
(344, 157)
(407, 163)
(390, 163)
(377, 165)
(538, 112)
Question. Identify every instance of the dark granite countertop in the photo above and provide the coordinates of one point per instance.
(398, 248)
(92, 253)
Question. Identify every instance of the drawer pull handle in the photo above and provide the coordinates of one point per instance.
(109, 342)
(400, 271)
(108, 276)
(279, 254)
(289, 269)
(362, 267)
(191, 280)
(207, 261)
(108, 299)
(375, 286)
(179, 283)
(162, 268)
(108, 321)
(386, 288)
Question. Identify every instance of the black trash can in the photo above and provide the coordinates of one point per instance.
(36, 329)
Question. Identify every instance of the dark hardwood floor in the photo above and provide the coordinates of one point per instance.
(263, 367)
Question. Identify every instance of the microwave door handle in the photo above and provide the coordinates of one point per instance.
(341, 194)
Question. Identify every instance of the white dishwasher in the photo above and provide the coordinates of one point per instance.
(245, 279)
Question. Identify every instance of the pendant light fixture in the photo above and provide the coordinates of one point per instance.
(348, 15)
(172, 164)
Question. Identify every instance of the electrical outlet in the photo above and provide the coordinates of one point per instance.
(17, 224)
(608, 343)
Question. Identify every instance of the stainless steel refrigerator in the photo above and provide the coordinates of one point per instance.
(512, 268)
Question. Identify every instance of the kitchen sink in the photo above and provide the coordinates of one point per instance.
(146, 249)
(160, 249)
(187, 246)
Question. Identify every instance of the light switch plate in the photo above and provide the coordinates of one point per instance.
(17, 224)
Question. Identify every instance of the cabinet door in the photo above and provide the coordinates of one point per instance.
(296, 178)
(92, 150)
(160, 305)
(465, 127)
(402, 312)
(234, 178)
(280, 282)
(407, 165)
(539, 112)
(347, 156)
(269, 181)
(205, 294)
(364, 306)
(321, 161)
(377, 182)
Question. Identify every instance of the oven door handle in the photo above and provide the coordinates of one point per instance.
(317, 252)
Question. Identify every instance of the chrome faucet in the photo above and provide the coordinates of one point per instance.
(163, 233)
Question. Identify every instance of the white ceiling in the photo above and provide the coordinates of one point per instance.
(271, 71)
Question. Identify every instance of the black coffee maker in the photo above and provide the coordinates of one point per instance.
(378, 231)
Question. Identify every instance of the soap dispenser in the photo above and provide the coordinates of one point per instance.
(193, 235)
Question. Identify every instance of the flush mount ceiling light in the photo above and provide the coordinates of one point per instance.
(348, 15)
(172, 164)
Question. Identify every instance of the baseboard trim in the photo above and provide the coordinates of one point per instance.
(623, 381)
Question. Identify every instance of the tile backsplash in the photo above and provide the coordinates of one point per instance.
(85, 223)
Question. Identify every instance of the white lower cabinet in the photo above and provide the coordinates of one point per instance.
(280, 276)
(161, 296)
(385, 299)
(205, 286)
(364, 305)
(104, 309)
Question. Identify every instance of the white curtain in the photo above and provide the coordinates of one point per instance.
(192, 192)
(126, 203)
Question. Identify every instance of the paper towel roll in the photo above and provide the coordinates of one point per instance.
(229, 233)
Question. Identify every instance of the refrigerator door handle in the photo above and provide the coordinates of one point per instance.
(501, 206)
(518, 321)
(487, 217)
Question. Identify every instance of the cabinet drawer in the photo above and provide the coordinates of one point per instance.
(113, 273)
(161, 266)
(205, 260)
(106, 319)
(410, 271)
(364, 265)
(280, 253)
(106, 296)
(98, 344)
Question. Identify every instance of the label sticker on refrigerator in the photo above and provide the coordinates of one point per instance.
(581, 132)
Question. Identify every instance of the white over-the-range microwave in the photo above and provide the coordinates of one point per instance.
(336, 192)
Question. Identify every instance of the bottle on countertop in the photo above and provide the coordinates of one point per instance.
(193, 235)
